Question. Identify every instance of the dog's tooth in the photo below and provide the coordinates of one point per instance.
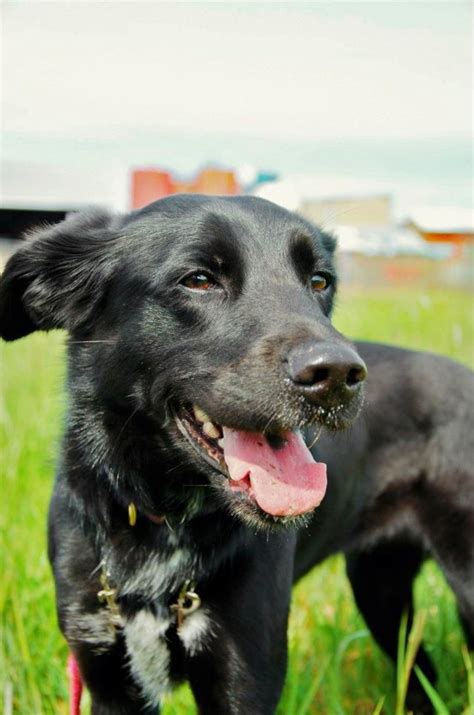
(200, 415)
(210, 430)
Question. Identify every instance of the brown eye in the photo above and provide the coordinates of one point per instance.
(319, 282)
(199, 281)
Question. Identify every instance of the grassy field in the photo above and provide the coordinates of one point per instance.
(334, 666)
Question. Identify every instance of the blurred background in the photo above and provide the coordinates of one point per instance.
(358, 115)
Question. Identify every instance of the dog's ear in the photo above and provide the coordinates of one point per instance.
(57, 278)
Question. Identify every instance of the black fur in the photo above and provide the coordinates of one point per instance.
(141, 345)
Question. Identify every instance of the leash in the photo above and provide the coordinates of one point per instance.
(75, 685)
(187, 602)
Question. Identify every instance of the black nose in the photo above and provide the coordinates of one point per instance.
(326, 371)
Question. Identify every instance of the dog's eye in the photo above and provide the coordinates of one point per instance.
(319, 282)
(199, 281)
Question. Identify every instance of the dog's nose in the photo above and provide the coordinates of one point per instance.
(325, 370)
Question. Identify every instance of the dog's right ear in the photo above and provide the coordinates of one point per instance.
(57, 278)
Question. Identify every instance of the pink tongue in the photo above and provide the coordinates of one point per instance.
(285, 481)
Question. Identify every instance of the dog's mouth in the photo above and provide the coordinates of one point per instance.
(275, 472)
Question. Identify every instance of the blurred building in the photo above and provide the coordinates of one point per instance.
(37, 194)
(330, 200)
(443, 224)
(362, 211)
(151, 184)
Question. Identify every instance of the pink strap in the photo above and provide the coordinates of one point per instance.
(75, 686)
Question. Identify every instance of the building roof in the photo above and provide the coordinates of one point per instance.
(443, 219)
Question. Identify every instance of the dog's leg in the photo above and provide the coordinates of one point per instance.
(240, 672)
(236, 647)
(456, 559)
(381, 580)
(108, 679)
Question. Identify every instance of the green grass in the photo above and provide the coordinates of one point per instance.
(334, 666)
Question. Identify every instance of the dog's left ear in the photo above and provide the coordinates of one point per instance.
(58, 277)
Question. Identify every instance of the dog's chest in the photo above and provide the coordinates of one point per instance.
(159, 575)
(148, 632)
(147, 639)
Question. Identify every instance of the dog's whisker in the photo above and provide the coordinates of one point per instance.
(208, 486)
(316, 437)
(127, 421)
(91, 342)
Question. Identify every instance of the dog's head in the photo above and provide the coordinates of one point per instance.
(200, 344)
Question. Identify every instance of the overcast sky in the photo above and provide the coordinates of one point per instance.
(308, 71)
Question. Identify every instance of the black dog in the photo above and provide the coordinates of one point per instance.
(200, 347)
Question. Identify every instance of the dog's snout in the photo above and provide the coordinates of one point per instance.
(321, 370)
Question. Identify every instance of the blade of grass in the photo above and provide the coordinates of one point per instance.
(438, 704)
(22, 641)
(346, 642)
(467, 657)
(8, 698)
(401, 691)
(379, 706)
(293, 684)
(311, 694)
(407, 650)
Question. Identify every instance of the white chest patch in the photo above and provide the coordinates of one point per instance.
(195, 631)
(148, 654)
